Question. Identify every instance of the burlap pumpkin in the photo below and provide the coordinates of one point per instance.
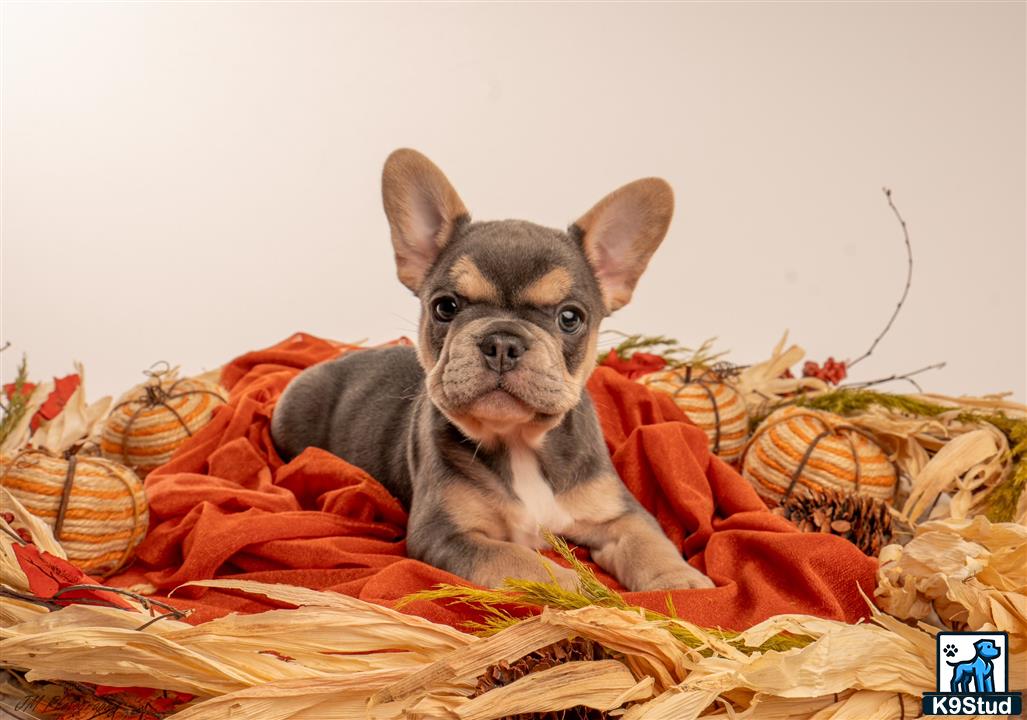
(96, 507)
(150, 421)
(710, 403)
(796, 450)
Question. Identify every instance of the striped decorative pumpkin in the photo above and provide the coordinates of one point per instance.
(152, 420)
(796, 450)
(96, 507)
(710, 403)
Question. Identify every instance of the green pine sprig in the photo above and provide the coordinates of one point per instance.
(15, 408)
(666, 347)
(534, 594)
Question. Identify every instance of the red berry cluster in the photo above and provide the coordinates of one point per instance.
(832, 372)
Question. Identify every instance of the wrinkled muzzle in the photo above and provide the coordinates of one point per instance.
(500, 370)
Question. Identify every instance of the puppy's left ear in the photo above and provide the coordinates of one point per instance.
(622, 232)
(423, 211)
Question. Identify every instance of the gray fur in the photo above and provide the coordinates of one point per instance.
(439, 427)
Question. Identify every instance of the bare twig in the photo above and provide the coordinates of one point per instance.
(905, 290)
(908, 377)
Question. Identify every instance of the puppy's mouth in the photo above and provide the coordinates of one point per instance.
(520, 392)
(501, 406)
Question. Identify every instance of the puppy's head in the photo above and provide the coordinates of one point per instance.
(511, 310)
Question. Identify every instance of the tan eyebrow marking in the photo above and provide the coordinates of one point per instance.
(549, 289)
(471, 283)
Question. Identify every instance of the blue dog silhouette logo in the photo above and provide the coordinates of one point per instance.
(976, 674)
(972, 676)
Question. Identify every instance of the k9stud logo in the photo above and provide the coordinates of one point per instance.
(973, 669)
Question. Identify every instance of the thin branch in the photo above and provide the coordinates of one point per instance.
(905, 290)
(908, 377)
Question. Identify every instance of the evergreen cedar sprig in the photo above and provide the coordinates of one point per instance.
(665, 347)
(844, 401)
(535, 594)
(14, 409)
(1006, 495)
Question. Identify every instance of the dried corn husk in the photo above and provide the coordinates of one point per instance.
(648, 646)
(220, 656)
(376, 621)
(762, 385)
(674, 704)
(76, 424)
(600, 684)
(39, 533)
(964, 574)
(991, 403)
(966, 462)
(341, 697)
(464, 664)
(881, 656)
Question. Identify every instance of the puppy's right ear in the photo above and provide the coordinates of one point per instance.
(423, 211)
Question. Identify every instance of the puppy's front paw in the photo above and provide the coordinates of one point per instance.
(565, 578)
(684, 577)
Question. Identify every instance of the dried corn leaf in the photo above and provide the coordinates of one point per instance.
(507, 645)
(762, 386)
(676, 703)
(219, 656)
(648, 646)
(373, 627)
(842, 657)
(341, 697)
(599, 684)
(39, 531)
(77, 422)
(12, 577)
(15, 610)
(115, 656)
(985, 557)
(771, 707)
(873, 705)
(89, 616)
(965, 574)
(964, 460)
(992, 403)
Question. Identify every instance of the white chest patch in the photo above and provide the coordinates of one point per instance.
(538, 509)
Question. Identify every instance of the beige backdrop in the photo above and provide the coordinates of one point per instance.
(185, 182)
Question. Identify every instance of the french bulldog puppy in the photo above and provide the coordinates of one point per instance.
(484, 432)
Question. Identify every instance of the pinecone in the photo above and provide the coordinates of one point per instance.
(504, 673)
(861, 519)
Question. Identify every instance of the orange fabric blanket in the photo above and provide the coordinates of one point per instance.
(227, 507)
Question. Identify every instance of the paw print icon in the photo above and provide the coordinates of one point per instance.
(949, 650)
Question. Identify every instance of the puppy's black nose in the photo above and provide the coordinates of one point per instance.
(502, 351)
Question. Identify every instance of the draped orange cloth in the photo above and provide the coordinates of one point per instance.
(226, 506)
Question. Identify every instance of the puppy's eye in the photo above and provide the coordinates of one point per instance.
(570, 320)
(445, 308)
